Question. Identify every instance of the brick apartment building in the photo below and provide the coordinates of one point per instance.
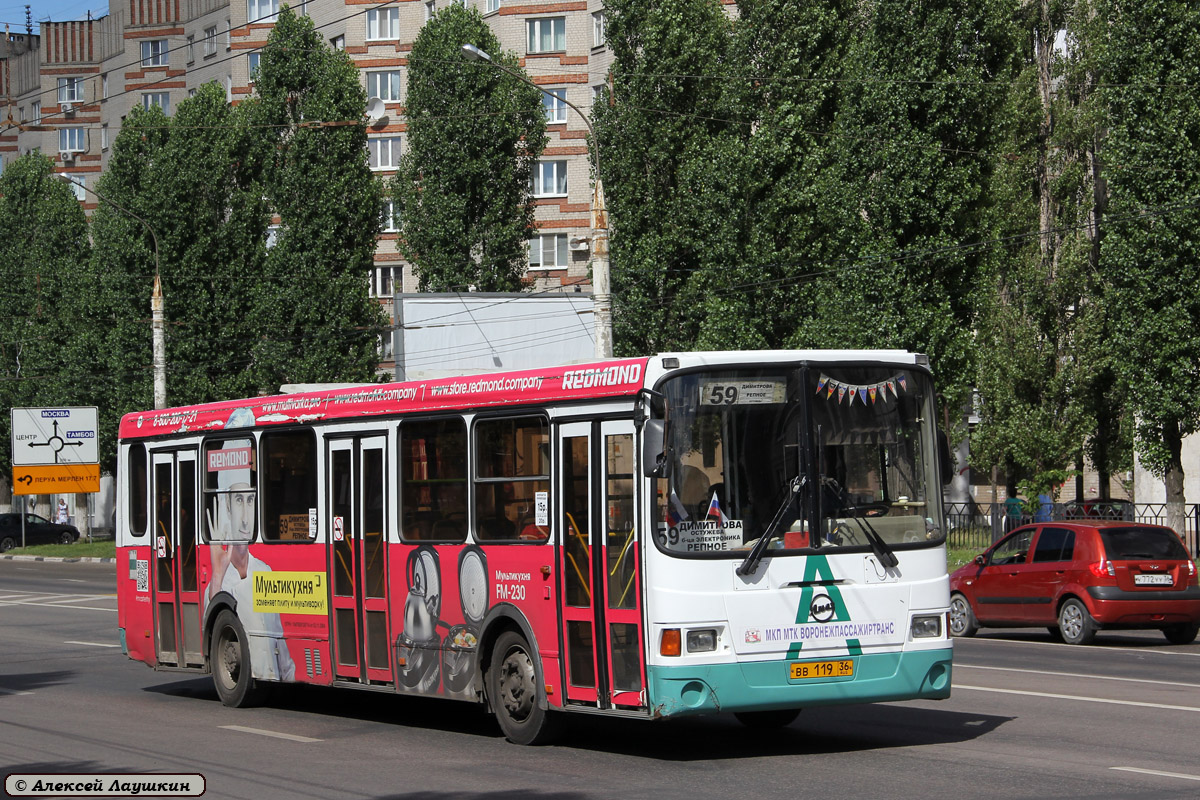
(65, 90)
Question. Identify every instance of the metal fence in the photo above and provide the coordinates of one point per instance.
(976, 525)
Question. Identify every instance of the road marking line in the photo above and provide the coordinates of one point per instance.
(1076, 697)
(40, 604)
(291, 737)
(77, 598)
(1180, 775)
(1141, 651)
(958, 665)
(74, 580)
(95, 644)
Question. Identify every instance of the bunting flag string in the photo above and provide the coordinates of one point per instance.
(866, 393)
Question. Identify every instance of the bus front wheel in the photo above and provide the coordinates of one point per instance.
(512, 691)
(230, 654)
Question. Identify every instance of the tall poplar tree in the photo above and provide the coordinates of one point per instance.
(465, 211)
(1150, 255)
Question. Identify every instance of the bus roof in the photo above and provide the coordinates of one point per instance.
(565, 383)
(575, 382)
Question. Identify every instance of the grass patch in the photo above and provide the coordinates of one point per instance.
(106, 548)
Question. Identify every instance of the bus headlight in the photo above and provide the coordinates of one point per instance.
(927, 626)
(702, 641)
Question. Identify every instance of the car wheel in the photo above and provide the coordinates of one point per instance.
(1075, 623)
(767, 720)
(512, 692)
(962, 618)
(7, 543)
(1183, 633)
(66, 538)
(230, 654)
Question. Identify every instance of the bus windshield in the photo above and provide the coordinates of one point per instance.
(823, 456)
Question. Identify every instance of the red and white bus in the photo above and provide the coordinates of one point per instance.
(753, 532)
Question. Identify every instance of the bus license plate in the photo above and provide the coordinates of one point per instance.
(805, 670)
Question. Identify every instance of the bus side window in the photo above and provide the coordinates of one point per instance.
(433, 480)
(512, 478)
(139, 489)
(288, 484)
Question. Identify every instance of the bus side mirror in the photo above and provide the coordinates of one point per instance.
(655, 463)
(947, 462)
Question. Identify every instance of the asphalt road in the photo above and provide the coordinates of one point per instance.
(1028, 719)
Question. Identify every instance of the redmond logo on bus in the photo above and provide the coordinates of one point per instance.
(233, 458)
(609, 376)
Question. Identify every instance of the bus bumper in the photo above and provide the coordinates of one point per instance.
(766, 685)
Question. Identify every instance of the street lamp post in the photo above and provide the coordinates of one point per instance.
(601, 292)
(157, 322)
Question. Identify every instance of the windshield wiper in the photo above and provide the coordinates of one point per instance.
(885, 554)
(748, 566)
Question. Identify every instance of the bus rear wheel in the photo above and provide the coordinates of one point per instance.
(229, 652)
(767, 720)
(512, 691)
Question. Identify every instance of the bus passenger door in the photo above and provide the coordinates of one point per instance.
(177, 635)
(598, 559)
(620, 568)
(358, 559)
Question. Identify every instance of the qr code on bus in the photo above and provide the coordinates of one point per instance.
(143, 575)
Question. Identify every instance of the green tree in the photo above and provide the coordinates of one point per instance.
(43, 237)
(671, 159)
(465, 211)
(916, 131)
(1150, 255)
(310, 311)
(1040, 319)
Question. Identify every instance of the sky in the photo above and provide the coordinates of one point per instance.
(13, 11)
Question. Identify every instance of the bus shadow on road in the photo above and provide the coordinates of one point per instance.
(817, 731)
(29, 681)
(841, 729)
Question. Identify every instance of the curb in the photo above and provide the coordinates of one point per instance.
(64, 559)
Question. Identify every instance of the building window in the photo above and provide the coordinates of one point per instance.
(103, 87)
(384, 152)
(384, 85)
(547, 34)
(548, 251)
(491, 5)
(210, 41)
(104, 136)
(228, 88)
(381, 282)
(272, 236)
(77, 183)
(554, 102)
(383, 23)
(70, 90)
(598, 29)
(70, 140)
(252, 61)
(262, 10)
(390, 223)
(597, 93)
(338, 42)
(154, 53)
(157, 99)
(228, 36)
(191, 49)
(430, 8)
(35, 112)
(550, 179)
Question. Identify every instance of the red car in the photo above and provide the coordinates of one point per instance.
(1079, 577)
